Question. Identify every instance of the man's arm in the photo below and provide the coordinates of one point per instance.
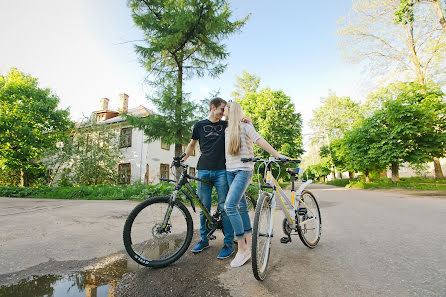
(190, 149)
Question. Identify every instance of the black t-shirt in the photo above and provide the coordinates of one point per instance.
(212, 144)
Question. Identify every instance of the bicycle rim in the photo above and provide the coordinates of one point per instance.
(145, 239)
(309, 225)
(262, 235)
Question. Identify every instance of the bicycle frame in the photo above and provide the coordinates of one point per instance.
(283, 198)
(191, 195)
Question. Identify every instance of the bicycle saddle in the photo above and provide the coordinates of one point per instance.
(293, 171)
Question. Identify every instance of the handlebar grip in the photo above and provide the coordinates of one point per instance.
(244, 160)
(179, 157)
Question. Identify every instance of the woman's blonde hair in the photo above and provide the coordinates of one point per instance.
(235, 114)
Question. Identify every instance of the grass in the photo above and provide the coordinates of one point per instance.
(412, 183)
(98, 192)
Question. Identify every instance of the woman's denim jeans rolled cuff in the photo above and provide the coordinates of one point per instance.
(236, 206)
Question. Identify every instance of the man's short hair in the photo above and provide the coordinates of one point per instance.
(217, 101)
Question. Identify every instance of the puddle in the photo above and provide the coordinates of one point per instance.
(99, 282)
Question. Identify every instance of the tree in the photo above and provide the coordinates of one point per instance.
(405, 11)
(276, 121)
(87, 157)
(331, 121)
(415, 48)
(29, 123)
(336, 116)
(409, 127)
(362, 145)
(414, 117)
(183, 40)
(247, 83)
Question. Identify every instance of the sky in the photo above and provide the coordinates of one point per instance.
(84, 50)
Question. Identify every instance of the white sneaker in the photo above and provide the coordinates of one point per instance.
(240, 259)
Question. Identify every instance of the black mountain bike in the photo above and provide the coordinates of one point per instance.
(159, 230)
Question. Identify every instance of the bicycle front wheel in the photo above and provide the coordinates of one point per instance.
(150, 243)
(309, 225)
(261, 236)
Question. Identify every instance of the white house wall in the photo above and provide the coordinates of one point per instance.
(142, 153)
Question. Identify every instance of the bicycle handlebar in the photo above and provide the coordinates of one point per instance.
(283, 160)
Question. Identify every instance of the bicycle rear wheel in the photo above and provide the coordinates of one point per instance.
(145, 239)
(261, 236)
(309, 225)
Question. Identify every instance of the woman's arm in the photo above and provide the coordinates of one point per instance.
(267, 147)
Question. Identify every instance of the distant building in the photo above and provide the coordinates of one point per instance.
(141, 161)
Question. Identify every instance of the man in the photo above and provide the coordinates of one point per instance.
(210, 133)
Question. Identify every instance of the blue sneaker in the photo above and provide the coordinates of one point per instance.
(225, 252)
(200, 246)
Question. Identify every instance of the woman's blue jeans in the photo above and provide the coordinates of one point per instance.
(219, 180)
(235, 206)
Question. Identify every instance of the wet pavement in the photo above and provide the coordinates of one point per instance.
(100, 282)
(373, 243)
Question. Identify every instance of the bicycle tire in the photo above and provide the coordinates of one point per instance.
(261, 237)
(163, 248)
(303, 230)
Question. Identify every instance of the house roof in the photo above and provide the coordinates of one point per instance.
(139, 112)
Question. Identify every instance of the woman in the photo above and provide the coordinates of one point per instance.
(239, 139)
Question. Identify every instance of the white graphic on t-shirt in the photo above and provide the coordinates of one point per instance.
(212, 130)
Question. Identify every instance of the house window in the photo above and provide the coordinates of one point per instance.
(164, 171)
(125, 139)
(165, 146)
(124, 173)
(192, 171)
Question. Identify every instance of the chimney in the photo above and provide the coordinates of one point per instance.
(103, 103)
(123, 105)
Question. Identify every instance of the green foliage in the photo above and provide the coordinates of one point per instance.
(336, 116)
(96, 192)
(407, 125)
(30, 123)
(247, 83)
(87, 157)
(275, 120)
(183, 39)
(319, 170)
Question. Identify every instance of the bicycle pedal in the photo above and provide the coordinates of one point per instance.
(212, 237)
(285, 239)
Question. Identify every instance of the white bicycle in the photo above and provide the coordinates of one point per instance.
(302, 214)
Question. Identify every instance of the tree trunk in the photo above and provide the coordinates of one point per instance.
(438, 173)
(178, 118)
(440, 14)
(333, 174)
(395, 173)
(24, 178)
(367, 177)
(339, 175)
(350, 175)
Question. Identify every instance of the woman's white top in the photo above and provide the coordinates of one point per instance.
(248, 135)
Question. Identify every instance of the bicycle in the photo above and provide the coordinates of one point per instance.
(302, 215)
(159, 230)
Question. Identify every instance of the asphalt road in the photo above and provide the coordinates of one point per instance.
(373, 243)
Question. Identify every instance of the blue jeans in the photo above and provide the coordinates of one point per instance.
(219, 180)
(236, 206)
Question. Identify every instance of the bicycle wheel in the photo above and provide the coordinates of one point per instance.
(309, 225)
(147, 242)
(261, 236)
